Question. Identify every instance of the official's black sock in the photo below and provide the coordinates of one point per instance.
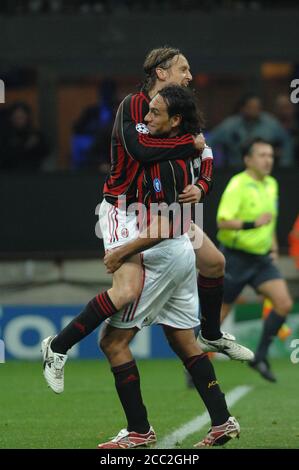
(210, 291)
(203, 375)
(271, 326)
(127, 382)
(96, 311)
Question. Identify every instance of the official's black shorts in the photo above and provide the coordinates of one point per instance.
(244, 268)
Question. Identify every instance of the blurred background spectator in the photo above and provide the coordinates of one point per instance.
(92, 131)
(249, 122)
(285, 112)
(22, 146)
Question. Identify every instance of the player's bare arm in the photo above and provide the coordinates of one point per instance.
(157, 231)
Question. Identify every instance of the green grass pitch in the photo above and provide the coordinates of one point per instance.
(88, 412)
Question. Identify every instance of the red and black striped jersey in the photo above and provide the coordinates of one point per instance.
(132, 146)
(160, 184)
(164, 181)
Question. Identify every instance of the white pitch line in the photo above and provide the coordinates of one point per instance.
(169, 441)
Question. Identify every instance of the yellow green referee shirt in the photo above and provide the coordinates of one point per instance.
(246, 199)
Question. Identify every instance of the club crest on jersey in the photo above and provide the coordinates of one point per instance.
(157, 185)
(141, 128)
(124, 233)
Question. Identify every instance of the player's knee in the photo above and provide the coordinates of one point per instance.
(284, 306)
(129, 294)
(111, 347)
(215, 267)
(104, 344)
(134, 290)
(107, 344)
(171, 342)
(176, 344)
(220, 264)
(125, 294)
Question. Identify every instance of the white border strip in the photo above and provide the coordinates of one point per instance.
(171, 440)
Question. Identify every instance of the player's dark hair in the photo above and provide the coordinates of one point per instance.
(247, 148)
(160, 57)
(183, 101)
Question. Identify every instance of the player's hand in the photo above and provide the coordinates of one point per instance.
(199, 142)
(191, 194)
(113, 260)
(264, 219)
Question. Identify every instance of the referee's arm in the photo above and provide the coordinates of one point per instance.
(237, 224)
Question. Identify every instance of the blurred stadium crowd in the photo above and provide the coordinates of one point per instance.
(29, 7)
(24, 146)
(237, 105)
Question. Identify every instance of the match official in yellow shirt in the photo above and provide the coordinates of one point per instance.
(246, 219)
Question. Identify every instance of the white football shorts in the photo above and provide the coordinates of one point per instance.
(169, 295)
(117, 226)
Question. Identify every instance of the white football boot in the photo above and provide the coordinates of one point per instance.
(53, 366)
(226, 345)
